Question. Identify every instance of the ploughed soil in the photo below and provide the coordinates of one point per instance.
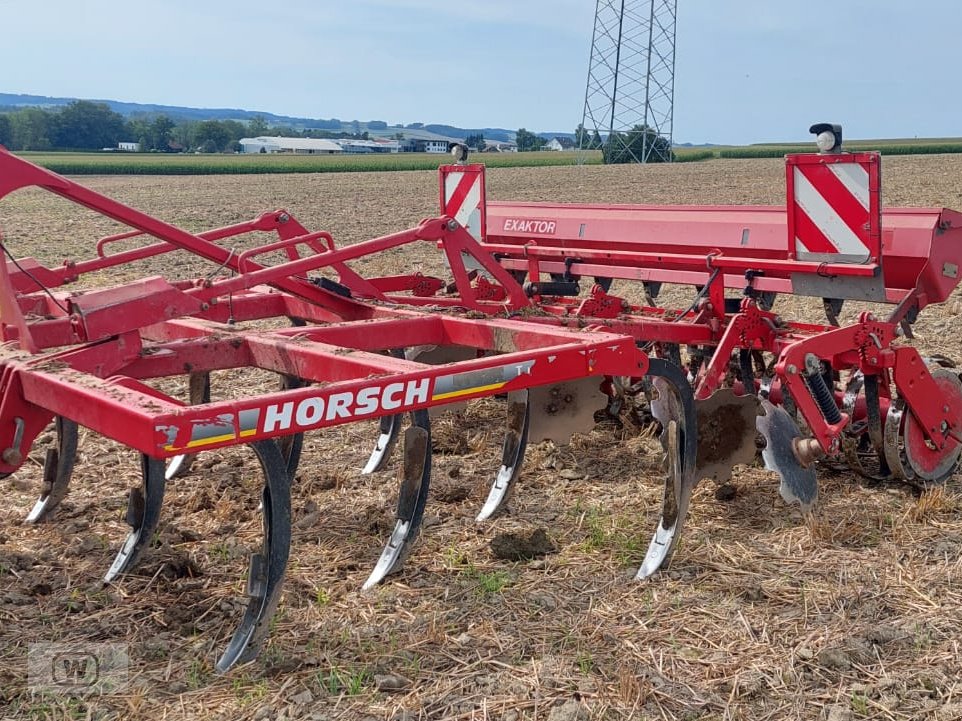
(854, 612)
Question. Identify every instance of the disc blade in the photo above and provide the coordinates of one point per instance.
(797, 482)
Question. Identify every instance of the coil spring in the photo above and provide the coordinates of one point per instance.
(823, 397)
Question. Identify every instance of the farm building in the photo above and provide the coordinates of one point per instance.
(298, 146)
(560, 144)
(379, 145)
(500, 146)
(128, 147)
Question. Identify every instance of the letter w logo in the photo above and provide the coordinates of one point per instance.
(75, 669)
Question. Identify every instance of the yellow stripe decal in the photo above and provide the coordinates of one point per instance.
(468, 391)
(211, 439)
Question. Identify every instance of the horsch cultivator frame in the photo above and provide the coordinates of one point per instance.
(514, 321)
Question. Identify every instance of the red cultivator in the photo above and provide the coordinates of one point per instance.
(514, 322)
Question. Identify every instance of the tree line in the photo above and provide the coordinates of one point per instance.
(84, 125)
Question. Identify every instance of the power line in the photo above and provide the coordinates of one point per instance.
(631, 78)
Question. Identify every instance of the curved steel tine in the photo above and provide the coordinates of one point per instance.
(199, 391)
(512, 454)
(292, 445)
(412, 497)
(57, 470)
(387, 436)
(143, 515)
(682, 447)
(267, 568)
(875, 433)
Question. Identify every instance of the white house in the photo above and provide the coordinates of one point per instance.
(298, 146)
(435, 146)
(559, 144)
(129, 147)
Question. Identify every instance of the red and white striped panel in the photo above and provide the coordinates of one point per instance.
(834, 208)
(462, 196)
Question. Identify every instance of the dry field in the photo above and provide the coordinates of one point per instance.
(855, 613)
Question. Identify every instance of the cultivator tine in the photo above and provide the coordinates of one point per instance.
(198, 385)
(412, 497)
(388, 429)
(57, 470)
(512, 454)
(267, 568)
(143, 514)
(389, 426)
(798, 482)
(677, 404)
(745, 370)
(870, 428)
(672, 353)
(893, 430)
(873, 411)
(291, 445)
(832, 308)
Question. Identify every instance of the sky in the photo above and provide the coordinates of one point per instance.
(745, 70)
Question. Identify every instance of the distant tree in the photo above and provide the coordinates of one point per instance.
(596, 141)
(356, 127)
(414, 126)
(399, 136)
(6, 132)
(257, 126)
(211, 136)
(236, 131)
(376, 125)
(582, 138)
(183, 133)
(161, 133)
(31, 129)
(527, 140)
(138, 130)
(475, 140)
(88, 126)
(640, 144)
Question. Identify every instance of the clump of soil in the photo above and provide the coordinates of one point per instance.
(522, 546)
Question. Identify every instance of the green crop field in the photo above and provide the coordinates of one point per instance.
(890, 146)
(213, 164)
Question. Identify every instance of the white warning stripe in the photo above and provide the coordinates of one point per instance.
(471, 201)
(451, 182)
(826, 218)
(855, 179)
